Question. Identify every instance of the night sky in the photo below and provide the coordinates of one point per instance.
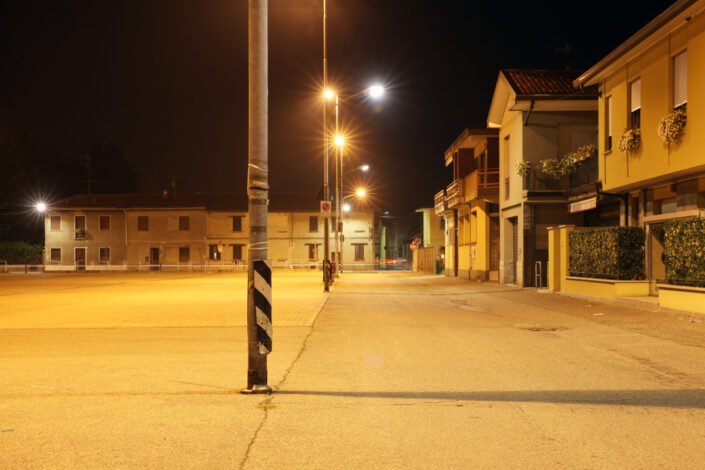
(166, 81)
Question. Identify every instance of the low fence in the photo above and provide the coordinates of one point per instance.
(211, 267)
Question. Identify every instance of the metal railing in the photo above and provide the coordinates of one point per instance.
(488, 178)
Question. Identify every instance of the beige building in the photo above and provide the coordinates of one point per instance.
(193, 231)
(540, 116)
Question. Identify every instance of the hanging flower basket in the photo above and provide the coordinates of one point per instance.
(630, 141)
(551, 167)
(672, 126)
(522, 168)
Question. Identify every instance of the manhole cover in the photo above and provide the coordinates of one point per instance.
(545, 328)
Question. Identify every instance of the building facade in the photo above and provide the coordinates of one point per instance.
(539, 116)
(659, 71)
(469, 206)
(135, 231)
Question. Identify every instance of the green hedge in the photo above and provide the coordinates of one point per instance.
(684, 252)
(607, 253)
(21, 252)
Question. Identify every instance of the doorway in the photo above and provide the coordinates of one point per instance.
(80, 259)
(154, 259)
(656, 265)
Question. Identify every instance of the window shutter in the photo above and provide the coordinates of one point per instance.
(609, 115)
(636, 95)
(680, 79)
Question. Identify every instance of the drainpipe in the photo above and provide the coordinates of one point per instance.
(623, 200)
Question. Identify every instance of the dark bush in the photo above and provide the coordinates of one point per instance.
(607, 253)
(684, 252)
(21, 252)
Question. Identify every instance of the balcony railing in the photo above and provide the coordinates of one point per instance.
(80, 234)
(536, 180)
(488, 178)
(439, 202)
(454, 193)
(583, 179)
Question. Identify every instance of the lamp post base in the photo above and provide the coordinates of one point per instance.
(257, 390)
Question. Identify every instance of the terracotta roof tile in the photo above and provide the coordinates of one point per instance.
(545, 82)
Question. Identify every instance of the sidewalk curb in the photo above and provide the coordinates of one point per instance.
(626, 302)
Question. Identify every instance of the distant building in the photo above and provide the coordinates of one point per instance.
(130, 231)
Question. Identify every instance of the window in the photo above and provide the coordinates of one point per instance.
(237, 223)
(635, 103)
(143, 223)
(359, 251)
(680, 80)
(104, 222)
(608, 123)
(237, 252)
(55, 255)
(184, 254)
(184, 223)
(80, 226)
(312, 255)
(213, 253)
(55, 223)
(104, 254)
(313, 223)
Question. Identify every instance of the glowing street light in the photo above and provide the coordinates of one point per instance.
(339, 140)
(360, 192)
(346, 207)
(365, 167)
(329, 94)
(376, 91)
(40, 207)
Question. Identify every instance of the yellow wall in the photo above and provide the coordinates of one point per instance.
(655, 158)
(682, 298)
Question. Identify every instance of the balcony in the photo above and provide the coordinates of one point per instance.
(535, 180)
(454, 194)
(583, 179)
(483, 184)
(80, 234)
(439, 202)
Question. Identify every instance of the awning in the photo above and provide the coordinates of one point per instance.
(584, 205)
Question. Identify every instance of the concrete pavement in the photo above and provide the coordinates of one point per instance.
(399, 371)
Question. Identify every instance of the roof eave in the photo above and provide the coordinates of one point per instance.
(593, 75)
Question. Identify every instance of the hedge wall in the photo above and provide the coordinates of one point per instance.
(684, 252)
(21, 252)
(607, 253)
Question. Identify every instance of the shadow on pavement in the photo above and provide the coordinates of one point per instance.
(690, 398)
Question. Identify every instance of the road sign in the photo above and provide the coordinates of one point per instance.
(220, 242)
(325, 208)
(413, 247)
(417, 241)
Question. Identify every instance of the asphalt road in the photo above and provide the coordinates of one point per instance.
(398, 371)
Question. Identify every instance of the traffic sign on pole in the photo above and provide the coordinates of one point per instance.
(326, 208)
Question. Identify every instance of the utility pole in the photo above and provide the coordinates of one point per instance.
(326, 196)
(336, 230)
(259, 309)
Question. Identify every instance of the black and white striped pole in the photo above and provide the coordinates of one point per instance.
(259, 272)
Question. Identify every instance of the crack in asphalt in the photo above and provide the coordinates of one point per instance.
(264, 404)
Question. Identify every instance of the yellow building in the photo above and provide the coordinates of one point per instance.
(659, 70)
(469, 206)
